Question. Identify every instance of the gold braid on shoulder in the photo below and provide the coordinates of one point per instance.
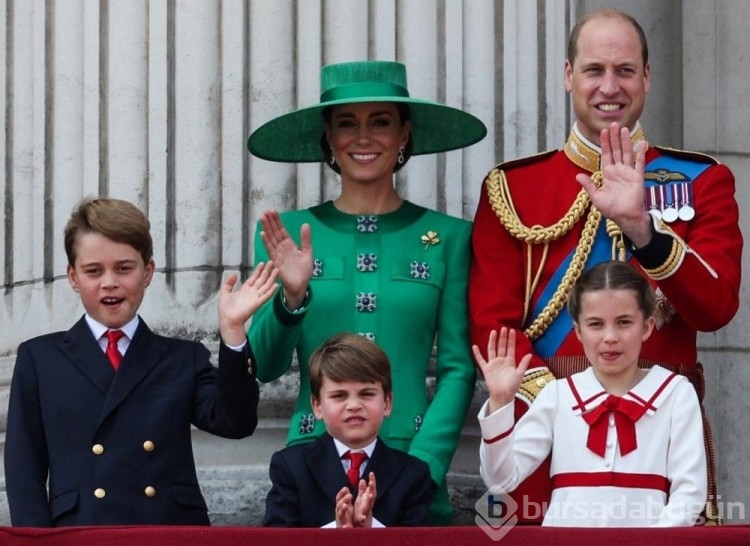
(502, 205)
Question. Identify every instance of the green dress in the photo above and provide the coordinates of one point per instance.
(400, 279)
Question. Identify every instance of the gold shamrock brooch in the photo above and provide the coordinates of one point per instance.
(430, 238)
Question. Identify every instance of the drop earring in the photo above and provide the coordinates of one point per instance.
(332, 161)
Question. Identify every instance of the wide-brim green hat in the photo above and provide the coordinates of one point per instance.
(295, 137)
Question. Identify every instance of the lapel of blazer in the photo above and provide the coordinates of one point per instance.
(325, 466)
(385, 465)
(144, 353)
(87, 356)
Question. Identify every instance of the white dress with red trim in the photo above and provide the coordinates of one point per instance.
(630, 461)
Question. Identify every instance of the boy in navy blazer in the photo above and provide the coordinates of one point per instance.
(318, 484)
(99, 416)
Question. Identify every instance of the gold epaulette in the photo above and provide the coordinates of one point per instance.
(687, 154)
(505, 165)
(533, 383)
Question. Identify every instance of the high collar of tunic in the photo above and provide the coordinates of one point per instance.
(586, 154)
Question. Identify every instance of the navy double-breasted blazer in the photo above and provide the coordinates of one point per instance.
(306, 478)
(115, 447)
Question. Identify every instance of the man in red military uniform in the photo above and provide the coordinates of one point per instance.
(543, 220)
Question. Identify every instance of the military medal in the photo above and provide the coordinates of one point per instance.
(669, 212)
(686, 211)
(653, 202)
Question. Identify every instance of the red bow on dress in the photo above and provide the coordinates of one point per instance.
(626, 413)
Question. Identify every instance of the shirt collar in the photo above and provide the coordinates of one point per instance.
(342, 448)
(98, 329)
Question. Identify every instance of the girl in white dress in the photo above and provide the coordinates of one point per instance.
(626, 442)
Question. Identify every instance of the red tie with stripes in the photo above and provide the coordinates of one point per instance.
(357, 458)
(113, 353)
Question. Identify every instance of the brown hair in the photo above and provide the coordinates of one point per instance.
(404, 113)
(605, 13)
(349, 357)
(118, 220)
(617, 276)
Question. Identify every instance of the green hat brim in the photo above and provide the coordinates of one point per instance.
(295, 137)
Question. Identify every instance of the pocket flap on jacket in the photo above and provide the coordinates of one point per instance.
(62, 503)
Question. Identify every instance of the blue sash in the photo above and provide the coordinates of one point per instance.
(689, 169)
(549, 342)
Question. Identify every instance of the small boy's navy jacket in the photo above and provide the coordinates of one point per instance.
(306, 478)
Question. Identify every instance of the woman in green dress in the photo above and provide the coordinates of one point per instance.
(371, 262)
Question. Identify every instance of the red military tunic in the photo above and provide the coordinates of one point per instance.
(516, 263)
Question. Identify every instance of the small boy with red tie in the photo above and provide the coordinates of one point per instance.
(99, 418)
(348, 477)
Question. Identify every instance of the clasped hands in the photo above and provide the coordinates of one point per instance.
(356, 513)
